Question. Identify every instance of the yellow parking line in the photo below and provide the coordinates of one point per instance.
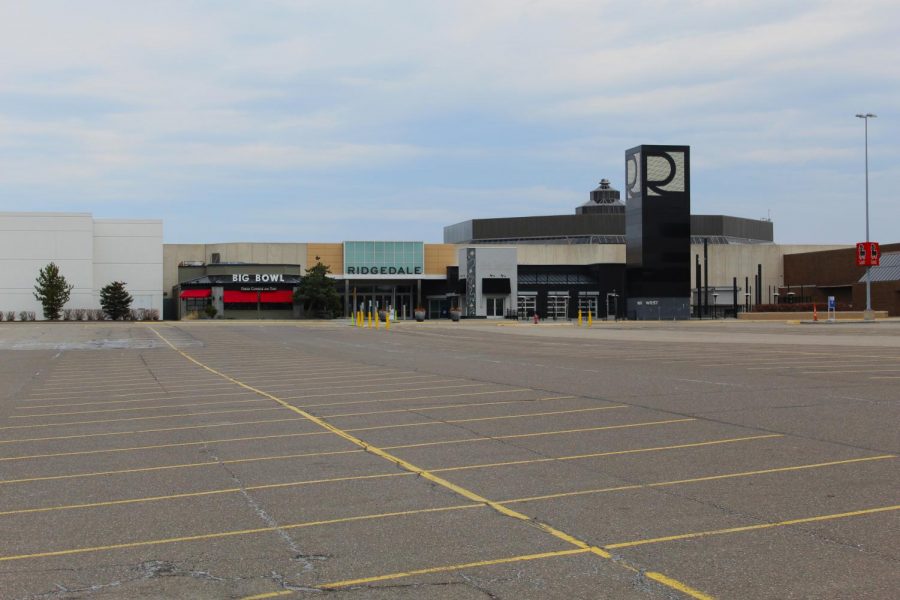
(383, 400)
(185, 414)
(539, 434)
(139, 431)
(443, 406)
(225, 534)
(445, 568)
(160, 407)
(156, 395)
(696, 534)
(440, 387)
(157, 446)
(473, 419)
(638, 486)
(267, 486)
(612, 453)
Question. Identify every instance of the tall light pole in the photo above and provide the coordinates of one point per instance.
(868, 315)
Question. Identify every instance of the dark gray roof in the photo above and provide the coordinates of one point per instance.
(888, 270)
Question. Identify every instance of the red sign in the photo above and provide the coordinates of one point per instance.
(874, 254)
(868, 254)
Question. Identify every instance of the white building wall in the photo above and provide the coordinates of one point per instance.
(89, 254)
(29, 241)
(130, 251)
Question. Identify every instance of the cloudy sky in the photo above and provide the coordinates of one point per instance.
(278, 120)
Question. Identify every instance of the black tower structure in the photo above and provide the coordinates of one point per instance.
(658, 232)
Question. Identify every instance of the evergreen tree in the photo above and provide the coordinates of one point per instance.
(317, 291)
(52, 290)
(115, 300)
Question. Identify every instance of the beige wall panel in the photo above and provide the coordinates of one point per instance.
(740, 260)
(438, 257)
(330, 254)
(570, 254)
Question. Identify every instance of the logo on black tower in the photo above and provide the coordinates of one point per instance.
(665, 172)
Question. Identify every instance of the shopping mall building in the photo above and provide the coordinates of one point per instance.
(645, 258)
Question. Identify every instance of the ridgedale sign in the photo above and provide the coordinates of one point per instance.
(257, 278)
(384, 270)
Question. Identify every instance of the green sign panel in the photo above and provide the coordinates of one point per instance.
(384, 259)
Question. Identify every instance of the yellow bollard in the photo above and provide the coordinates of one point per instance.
(387, 321)
(590, 319)
(579, 317)
(375, 318)
(369, 320)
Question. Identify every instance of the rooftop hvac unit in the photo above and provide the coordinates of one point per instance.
(216, 258)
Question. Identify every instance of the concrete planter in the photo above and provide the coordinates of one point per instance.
(419, 315)
(455, 315)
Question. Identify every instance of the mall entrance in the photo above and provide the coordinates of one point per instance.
(383, 296)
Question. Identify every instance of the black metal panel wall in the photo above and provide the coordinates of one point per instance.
(548, 228)
(733, 227)
(658, 225)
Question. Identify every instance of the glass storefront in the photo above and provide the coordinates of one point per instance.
(400, 298)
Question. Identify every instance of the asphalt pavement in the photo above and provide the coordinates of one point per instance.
(438, 460)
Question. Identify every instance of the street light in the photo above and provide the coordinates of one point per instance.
(868, 315)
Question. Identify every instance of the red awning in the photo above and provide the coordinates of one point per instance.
(285, 296)
(195, 293)
(273, 297)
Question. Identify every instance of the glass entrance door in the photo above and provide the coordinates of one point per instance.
(385, 297)
(495, 306)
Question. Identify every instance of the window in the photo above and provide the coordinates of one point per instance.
(195, 304)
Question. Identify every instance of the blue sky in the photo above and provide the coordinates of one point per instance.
(324, 121)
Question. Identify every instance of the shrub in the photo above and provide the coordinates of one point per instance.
(32, 316)
(2, 314)
(98, 315)
(23, 315)
(68, 314)
(10, 315)
(136, 314)
(152, 314)
(78, 314)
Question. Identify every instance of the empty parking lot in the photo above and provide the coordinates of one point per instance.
(720, 460)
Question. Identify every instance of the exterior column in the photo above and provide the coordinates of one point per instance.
(346, 297)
